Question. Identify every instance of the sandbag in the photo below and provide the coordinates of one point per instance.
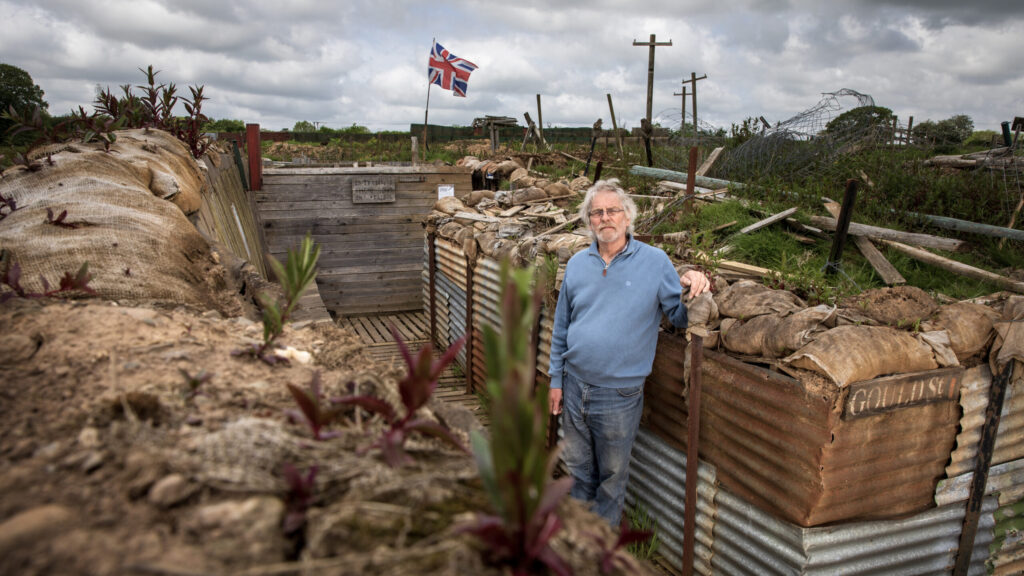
(969, 326)
(747, 337)
(138, 243)
(476, 196)
(520, 178)
(1009, 342)
(449, 205)
(701, 312)
(796, 330)
(557, 189)
(746, 299)
(528, 195)
(854, 353)
(580, 184)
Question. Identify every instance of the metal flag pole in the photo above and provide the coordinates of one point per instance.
(426, 112)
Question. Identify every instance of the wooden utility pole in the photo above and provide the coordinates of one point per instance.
(540, 120)
(683, 108)
(693, 89)
(650, 70)
(618, 137)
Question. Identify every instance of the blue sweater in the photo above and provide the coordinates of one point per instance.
(607, 320)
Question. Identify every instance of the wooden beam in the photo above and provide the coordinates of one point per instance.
(956, 267)
(877, 233)
(889, 274)
(474, 217)
(559, 227)
(769, 220)
(709, 161)
(741, 268)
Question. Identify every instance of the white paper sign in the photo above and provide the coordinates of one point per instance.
(445, 190)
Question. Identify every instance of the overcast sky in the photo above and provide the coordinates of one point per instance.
(365, 61)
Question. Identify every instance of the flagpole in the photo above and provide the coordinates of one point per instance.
(426, 112)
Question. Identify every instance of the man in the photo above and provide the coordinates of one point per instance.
(603, 343)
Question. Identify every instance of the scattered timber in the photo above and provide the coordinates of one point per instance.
(877, 233)
(957, 267)
(709, 161)
(768, 221)
(948, 223)
(743, 269)
(662, 174)
(475, 217)
(889, 274)
(560, 226)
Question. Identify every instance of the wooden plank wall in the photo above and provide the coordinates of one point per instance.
(371, 258)
(216, 218)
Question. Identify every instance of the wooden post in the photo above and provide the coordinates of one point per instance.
(597, 170)
(646, 129)
(682, 109)
(692, 451)
(432, 275)
(540, 120)
(252, 146)
(976, 495)
(470, 264)
(910, 129)
(842, 225)
(415, 151)
(615, 126)
(650, 70)
(693, 94)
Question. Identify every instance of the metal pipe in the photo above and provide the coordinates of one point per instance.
(692, 451)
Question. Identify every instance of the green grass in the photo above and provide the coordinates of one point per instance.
(640, 520)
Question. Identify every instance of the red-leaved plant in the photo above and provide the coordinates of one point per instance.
(313, 410)
(69, 283)
(301, 492)
(415, 389)
(514, 465)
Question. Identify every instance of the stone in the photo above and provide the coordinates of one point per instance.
(171, 490)
(246, 531)
(89, 437)
(33, 525)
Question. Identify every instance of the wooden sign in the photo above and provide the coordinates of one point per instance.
(894, 392)
(373, 190)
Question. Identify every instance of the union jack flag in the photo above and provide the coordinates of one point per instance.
(449, 71)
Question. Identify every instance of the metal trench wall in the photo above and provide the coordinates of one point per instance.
(762, 427)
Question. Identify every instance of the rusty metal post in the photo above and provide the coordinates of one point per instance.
(842, 227)
(432, 274)
(469, 325)
(997, 393)
(691, 172)
(252, 146)
(692, 451)
(597, 170)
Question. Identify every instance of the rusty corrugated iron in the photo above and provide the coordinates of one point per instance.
(973, 400)
(788, 447)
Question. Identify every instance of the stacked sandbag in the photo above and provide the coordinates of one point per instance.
(524, 188)
(970, 327)
(125, 216)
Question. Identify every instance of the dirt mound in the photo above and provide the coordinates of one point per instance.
(900, 306)
(110, 468)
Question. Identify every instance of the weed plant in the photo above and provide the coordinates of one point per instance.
(514, 465)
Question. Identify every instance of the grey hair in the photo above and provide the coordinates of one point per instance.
(610, 185)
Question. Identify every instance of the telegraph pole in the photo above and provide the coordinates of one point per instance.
(650, 70)
(693, 88)
(683, 108)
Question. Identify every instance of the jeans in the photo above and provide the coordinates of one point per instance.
(600, 425)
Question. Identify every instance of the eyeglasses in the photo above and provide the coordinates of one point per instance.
(600, 212)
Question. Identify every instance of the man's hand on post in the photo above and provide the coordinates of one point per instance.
(555, 400)
(698, 282)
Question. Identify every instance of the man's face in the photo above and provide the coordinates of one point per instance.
(608, 228)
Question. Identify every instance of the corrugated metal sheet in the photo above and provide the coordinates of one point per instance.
(750, 541)
(784, 446)
(657, 479)
(973, 400)
(1006, 482)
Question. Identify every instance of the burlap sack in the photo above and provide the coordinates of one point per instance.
(520, 178)
(139, 245)
(853, 353)
(701, 313)
(969, 326)
(745, 299)
(580, 184)
(1009, 342)
(796, 330)
(476, 196)
(557, 189)
(747, 337)
(528, 195)
(449, 205)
